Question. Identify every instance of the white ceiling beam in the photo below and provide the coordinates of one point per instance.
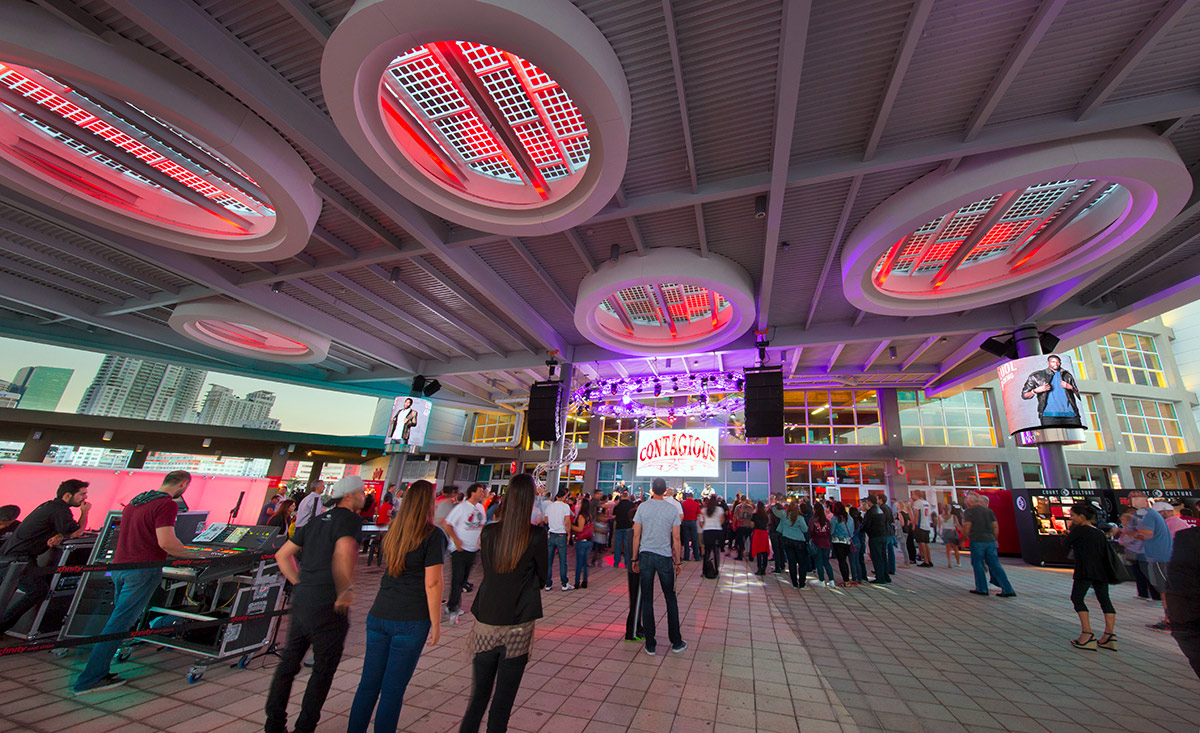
(71, 268)
(55, 280)
(834, 245)
(794, 361)
(431, 306)
(883, 345)
(701, 231)
(358, 216)
(309, 19)
(792, 38)
(1041, 21)
(621, 369)
(837, 351)
(636, 234)
(158, 300)
(197, 37)
(917, 352)
(680, 94)
(472, 301)
(329, 239)
(399, 312)
(1060, 126)
(968, 348)
(324, 265)
(1154, 32)
(908, 45)
(580, 249)
(1174, 126)
(463, 385)
(74, 15)
(366, 318)
(543, 275)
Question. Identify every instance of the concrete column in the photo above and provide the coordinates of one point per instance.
(591, 475)
(889, 418)
(556, 449)
(395, 469)
(1055, 472)
(37, 445)
(451, 467)
(279, 461)
(318, 465)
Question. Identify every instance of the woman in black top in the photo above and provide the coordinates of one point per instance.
(1091, 570)
(282, 517)
(407, 611)
(515, 568)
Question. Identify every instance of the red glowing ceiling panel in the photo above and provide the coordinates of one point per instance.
(460, 106)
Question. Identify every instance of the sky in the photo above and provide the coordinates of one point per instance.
(299, 409)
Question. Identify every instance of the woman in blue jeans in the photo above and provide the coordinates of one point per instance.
(583, 527)
(406, 614)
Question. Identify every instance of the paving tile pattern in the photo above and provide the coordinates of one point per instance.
(919, 655)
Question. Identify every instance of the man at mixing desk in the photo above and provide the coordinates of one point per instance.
(147, 535)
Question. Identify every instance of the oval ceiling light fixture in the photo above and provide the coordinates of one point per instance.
(120, 136)
(510, 116)
(242, 329)
(670, 301)
(1008, 224)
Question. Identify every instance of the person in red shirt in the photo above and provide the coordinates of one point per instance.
(147, 534)
(689, 531)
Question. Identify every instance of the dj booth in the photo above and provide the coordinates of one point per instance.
(239, 580)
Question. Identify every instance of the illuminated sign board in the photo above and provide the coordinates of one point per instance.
(687, 453)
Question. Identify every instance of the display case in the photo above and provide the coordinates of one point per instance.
(1043, 518)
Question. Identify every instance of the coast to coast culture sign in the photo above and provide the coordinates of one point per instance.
(689, 453)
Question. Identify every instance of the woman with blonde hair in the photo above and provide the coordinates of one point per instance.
(516, 564)
(407, 611)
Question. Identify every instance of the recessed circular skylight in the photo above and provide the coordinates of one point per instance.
(669, 301)
(489, 118)
(1006, 225)
(122, 137)
(242, 329)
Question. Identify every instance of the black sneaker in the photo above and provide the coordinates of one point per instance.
(650, 652)
(981, 592)
(109, 682)
(1006, 595)
(676, 648)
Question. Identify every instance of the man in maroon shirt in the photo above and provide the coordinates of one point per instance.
(689, 530)
(147, 534)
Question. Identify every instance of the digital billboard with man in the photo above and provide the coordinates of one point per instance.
(1040, 392)
(410, 420)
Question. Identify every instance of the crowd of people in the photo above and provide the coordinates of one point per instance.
(517, 537)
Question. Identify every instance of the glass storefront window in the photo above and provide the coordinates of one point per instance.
(1131, 358)
(954, 477)
(835, 417)
(964, 419)
(1149, 426)
(1091, 418)
(817, 478)
(494, 428)
(1163, 478)
(1082, 477)
(577, 430)
(618, 432)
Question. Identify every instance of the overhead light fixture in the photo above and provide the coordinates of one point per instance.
(277, 286)
(760, 206)
(364, 453)
(108, 435)
(207, 442)
(614, 253)
(785, 246)
(1048, 341)
(891, 352)
(394, 275)
(291, 448)
(431, 388)
(996, 347)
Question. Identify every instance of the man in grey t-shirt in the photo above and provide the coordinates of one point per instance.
(981, 528)
(656, 551)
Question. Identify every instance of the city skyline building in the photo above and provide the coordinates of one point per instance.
(143, 389)
(40, 387)
(222, 407)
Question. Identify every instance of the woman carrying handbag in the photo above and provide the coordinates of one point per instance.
(1090, 548)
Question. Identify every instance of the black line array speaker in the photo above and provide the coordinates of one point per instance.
(545, 406)
(764, 402)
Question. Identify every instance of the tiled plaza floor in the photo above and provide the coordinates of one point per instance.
(919, 655)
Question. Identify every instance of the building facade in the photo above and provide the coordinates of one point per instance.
(222, 407)
(141, 389)
(846, 443)
(40, 387)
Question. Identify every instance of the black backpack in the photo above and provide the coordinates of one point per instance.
(710, 569)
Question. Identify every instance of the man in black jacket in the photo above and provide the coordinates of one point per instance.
(1183, 596)
(1057, 394)
(878, 529)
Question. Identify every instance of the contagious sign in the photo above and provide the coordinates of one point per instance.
(691, 453)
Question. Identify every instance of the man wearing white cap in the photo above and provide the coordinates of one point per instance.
(1156, 545)
(323, 580)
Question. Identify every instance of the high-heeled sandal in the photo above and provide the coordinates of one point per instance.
(1090, 644)
(1109, 642)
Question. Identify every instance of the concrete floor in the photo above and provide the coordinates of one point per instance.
(919, 655)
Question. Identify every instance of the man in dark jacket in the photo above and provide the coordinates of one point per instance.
(1183, 596)
(878, 529)
(1057, 394)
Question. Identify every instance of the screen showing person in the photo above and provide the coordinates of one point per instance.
(1041, 392)
(409, 421)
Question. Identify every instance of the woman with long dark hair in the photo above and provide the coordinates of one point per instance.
(822, 530)
(282, 517)
(516, 564)
(407, 612)
(584, 528)
(1090, 547)
(760, 540)
(712, 526)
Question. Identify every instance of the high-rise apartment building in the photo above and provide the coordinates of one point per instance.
(40, 387)
(141, 389)
(222, 407)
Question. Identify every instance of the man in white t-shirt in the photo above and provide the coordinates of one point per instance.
(670, 499)
(558, 522)
(310, 506)
(463, 525)
(923, 517)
